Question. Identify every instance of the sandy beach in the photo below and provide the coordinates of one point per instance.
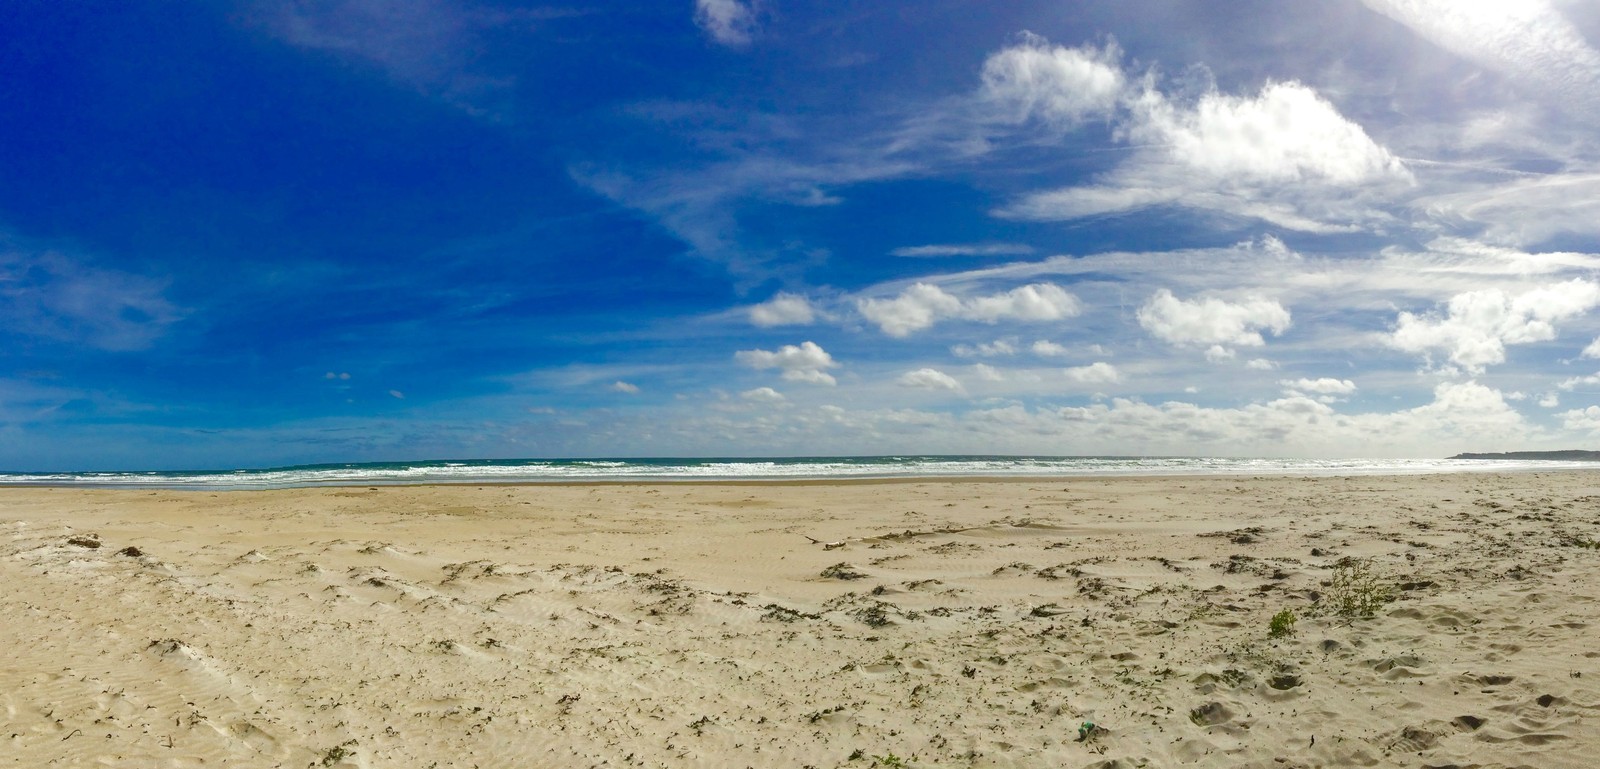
(925, 623)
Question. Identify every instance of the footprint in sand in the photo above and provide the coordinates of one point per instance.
(1211, 714)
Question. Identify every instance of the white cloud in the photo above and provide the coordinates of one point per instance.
(1585, 419)
(1592, 350)
(1285, 156)
(342, 375)
(763, 395)
(965, 249)
(929, 379)
(783, 309)
(985, 349)
(1460, 416)
(1322, 386)
(434, 46)
(623, 387)
(1212, 321)
(1045, 348)
(1325, 389)
(397, 394)
(924, 304)
(916, 308)
(1579, 381)
(1477, 325)
(1034, 302)
(806, 362)
(1528, 41)
(987, 372)
(1260, 364)
(1524, 212)
(1286, 134)
(1059, 85)
(1094, 373)
(1218, 354)
(48, 295)
(1549, 400)
(729, 22)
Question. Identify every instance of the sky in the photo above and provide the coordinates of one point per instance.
(238, 233)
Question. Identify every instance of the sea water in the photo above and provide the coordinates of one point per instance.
(757, 469)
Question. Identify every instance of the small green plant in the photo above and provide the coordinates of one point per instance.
(1355, 591)
(1282, 625)
(890, 760)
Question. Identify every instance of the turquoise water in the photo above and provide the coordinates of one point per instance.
(727, 469)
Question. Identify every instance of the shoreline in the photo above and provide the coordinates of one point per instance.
(819, 481)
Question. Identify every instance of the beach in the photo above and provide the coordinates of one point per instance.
(1077, 622)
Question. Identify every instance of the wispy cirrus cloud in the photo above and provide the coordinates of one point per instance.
(49, 295)
(433, 46)
(1528, 41)
(965, 249)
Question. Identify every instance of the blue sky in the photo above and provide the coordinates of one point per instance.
(260, 233)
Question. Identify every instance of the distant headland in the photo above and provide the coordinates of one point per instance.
(1568, 455)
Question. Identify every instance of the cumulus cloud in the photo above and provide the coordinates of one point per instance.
(783, 309)
(1585, 419)
(763, 395)
(729, 22)
(1094, 373)
(1286, 134)
(1476, 326)
(1034, 302)
(916, 308)
(1459, 412)
(1325, 389)
(929, 379)
(1212, 322)
(987, 372)
(1035, 80)
(806, 362)
(1322, 386)
(1573, 383)
(924, 304)
(965, 249)
(1285, 155)
(1045, 348)
(623, 387)
(985, 349)
(1260, 364)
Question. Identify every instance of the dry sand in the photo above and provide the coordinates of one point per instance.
(972, 624)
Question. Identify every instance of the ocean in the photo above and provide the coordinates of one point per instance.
(754, 469)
